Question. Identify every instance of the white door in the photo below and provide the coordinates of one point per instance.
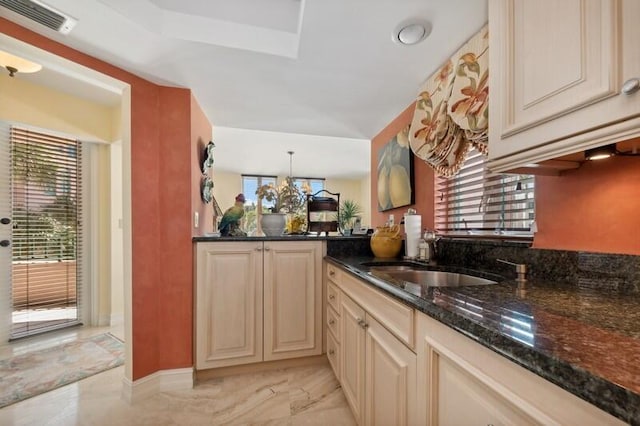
(5, 234)
(41, 235)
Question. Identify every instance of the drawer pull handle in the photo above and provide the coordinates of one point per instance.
(332, 297)
(631, 86)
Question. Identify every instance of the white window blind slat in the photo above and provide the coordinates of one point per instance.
(478, 202)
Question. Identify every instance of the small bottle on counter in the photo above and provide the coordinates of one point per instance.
(427, 246)
(423, 248)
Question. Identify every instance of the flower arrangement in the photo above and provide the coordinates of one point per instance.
(287, 197)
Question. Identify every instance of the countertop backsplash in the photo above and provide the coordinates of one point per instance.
(618, 273)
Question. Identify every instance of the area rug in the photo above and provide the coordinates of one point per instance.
(36, 372)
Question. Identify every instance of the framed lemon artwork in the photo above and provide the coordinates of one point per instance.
(395, 173)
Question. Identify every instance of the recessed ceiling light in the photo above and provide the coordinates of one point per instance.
(411, 32)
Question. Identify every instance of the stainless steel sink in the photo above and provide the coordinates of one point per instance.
(393, 268)
(432, 278)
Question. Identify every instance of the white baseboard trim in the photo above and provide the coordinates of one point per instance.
(160, 381)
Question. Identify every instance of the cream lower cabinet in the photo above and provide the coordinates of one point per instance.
(558, 70)
(292, 299)
(378, 372)
(461, 383)
(257, 301)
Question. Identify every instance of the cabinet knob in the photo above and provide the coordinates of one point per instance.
(332, 352)
(258, 249)
(5, 243)
(332, 273)
(332, 297)
(362, 323)
(267, 249)
(631, 86)
(332, 322)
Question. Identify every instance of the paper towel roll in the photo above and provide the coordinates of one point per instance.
(412, 228)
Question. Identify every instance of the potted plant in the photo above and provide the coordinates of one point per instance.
(348, 212)
(287, 199)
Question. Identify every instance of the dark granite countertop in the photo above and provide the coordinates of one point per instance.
(583, 340)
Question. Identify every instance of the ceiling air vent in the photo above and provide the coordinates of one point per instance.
(41, 13)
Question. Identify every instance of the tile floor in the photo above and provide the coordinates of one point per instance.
(294, 396)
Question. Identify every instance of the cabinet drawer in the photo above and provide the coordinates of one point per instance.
(333, 354)
(333, 323)
(333, 273)
(396, 317)
(333, 296)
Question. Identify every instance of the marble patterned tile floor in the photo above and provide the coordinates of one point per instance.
(295, 396)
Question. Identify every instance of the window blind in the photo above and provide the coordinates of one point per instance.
(47, 234)
(478, 202)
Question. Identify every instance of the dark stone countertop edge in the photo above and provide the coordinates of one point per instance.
(606, 395)
(202, 239)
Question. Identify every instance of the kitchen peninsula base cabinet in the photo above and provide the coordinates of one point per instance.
(462, 382)
(377, 371)
(564, 77)
(257, 301)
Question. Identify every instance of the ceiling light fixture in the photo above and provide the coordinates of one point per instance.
(15, 64)
(411, 32)
(601, 152)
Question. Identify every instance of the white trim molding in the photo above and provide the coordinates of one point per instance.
(160, 381)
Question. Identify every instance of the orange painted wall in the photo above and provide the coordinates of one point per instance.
(201, 134)
(594, 208)
(423, 177)
(161, 212)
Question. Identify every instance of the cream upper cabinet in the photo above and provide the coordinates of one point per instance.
(461, 382)
(228, 304)
(257, 301)
(557, 73)
(292, 299)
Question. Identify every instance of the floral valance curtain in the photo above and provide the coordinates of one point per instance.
(451, 115)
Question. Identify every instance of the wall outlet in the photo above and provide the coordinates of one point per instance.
(196, 220)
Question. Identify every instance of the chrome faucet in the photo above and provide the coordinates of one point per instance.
(521, 270)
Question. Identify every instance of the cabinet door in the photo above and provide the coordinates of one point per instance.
(556, 70)
(461, 399)
(462, 382)
(352, 355)
(292, 299)
(390, 378)
(228, 304)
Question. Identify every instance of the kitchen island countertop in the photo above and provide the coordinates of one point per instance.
(583, 340)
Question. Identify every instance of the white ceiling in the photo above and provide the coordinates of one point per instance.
(307, 67)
